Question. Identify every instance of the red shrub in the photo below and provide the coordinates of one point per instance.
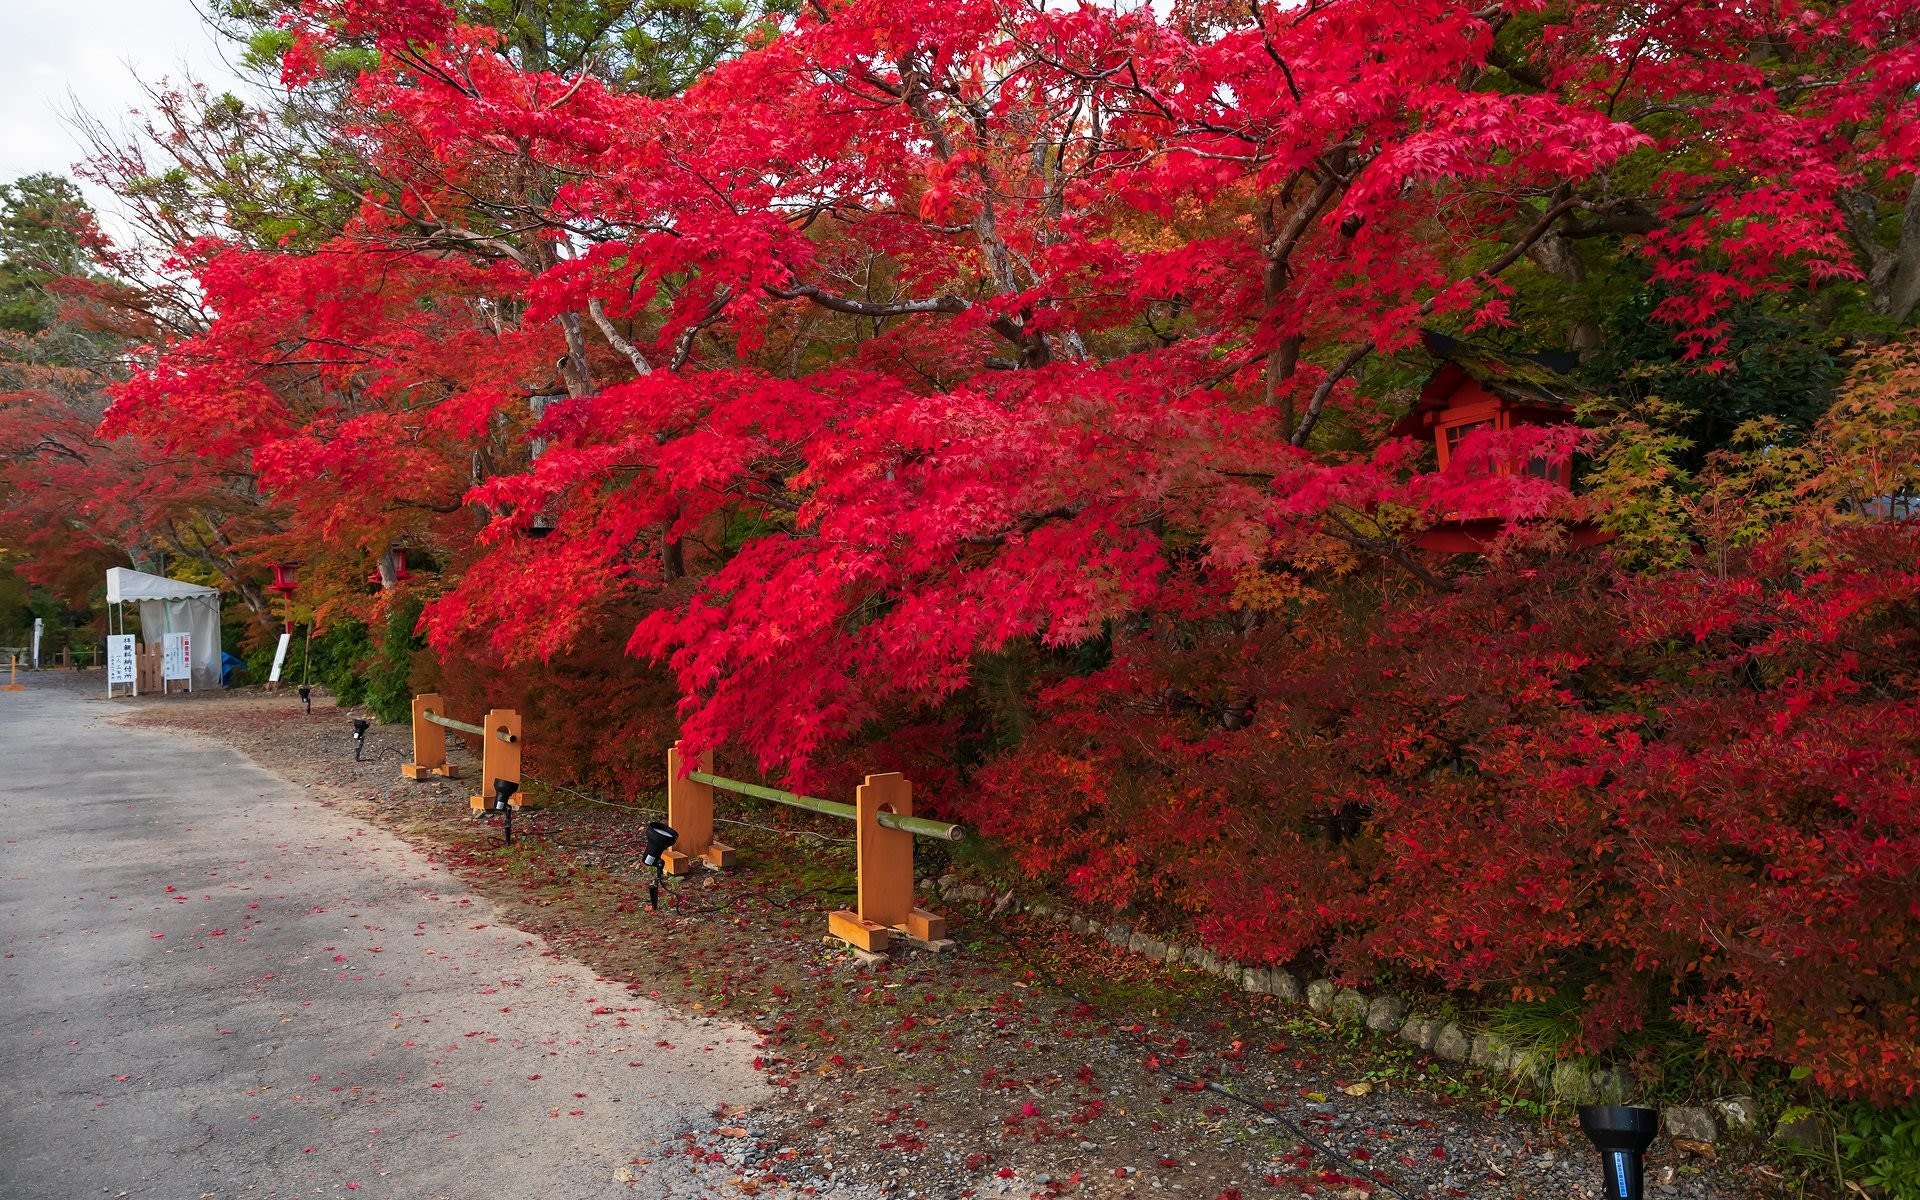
(1687, 790)
(592, 717)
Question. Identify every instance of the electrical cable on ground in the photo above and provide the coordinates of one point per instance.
(377, 751)
(802, 834)
(733, 900)
(1264, 1108)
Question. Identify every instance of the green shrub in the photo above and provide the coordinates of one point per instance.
(1880, 1148)
(389, 677)
(339, 661)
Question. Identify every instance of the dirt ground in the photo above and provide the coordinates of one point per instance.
(1027, 1061)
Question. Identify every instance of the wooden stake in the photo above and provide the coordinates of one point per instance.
(13, 675)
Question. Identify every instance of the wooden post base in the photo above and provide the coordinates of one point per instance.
(715, 856)
(416, 771)
(483, 803)
(920, 925)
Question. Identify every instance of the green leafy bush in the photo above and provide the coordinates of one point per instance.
(339, 661)
(389, 678)
(1881, 1150)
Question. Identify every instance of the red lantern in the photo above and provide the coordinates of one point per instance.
(400, 571)
(283, 579)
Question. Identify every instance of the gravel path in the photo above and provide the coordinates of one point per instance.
(217, 986)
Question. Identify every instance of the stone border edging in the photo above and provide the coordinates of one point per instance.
(1391, 1016)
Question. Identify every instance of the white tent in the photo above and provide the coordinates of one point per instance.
(173, 606)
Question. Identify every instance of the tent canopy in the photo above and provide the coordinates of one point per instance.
(173, 606)
(125, 586)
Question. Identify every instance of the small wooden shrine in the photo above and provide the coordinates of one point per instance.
(1475, 389)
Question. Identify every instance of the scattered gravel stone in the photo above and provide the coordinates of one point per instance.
(813, 1141)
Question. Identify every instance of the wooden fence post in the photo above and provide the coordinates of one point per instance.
(429, 741)
(499, 756)
(885, 884)
(690, 812)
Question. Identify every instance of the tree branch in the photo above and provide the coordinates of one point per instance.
(1514, 253)
(1319, 398)
(867, 308)
(1389, 547)
(599, 315)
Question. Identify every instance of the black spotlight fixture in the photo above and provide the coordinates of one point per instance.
(306, 697)
(503, 790)
(359, 737)
(660, 838)
(1622, 1134)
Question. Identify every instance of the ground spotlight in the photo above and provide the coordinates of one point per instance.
(660, 838)
(1622, 1134)
(359, 737)
(503, 790)
(306, 697)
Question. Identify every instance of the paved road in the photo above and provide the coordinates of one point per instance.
(214, 986)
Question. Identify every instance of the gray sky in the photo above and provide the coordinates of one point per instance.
(91, 49)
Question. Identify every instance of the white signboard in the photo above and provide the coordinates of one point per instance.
(176, 657)
(120, 660)
(38, 627)
(279, 656)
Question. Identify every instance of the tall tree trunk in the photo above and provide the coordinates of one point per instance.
(1893, 275)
